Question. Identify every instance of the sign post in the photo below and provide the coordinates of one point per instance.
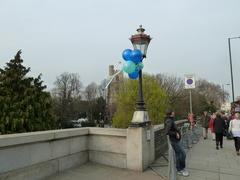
(190, 99)
(190, 84)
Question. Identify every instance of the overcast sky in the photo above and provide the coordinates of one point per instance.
(56, 36)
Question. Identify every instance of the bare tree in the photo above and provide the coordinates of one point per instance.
(212, 92)
(90, 94)
(67, 86)
(101, 88)
(65, 94)
(174, 86)
(206, 95)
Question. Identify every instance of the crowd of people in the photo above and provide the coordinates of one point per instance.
(218, 124)
(221, 125)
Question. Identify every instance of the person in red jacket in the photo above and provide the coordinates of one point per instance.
(213, 116)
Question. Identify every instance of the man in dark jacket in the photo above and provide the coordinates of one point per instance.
(174, 135)
(205, 124)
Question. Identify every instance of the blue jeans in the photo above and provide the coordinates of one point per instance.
(180, 155)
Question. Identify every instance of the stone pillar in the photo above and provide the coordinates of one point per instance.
(140, 145)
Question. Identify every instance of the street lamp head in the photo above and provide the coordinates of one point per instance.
(140, 40)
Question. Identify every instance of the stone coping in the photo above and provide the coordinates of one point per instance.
(108, 131)
(158, 127)
(34, 137)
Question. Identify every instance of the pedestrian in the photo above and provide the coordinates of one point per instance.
(229, 134)
(192, 136)
(211, 121)
(219, 128)
(225, 118)
(234, 129)
(175, 136)
(205, 124)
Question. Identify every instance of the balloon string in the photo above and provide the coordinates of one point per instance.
(113, 76)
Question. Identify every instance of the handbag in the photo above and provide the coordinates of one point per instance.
(224, 132)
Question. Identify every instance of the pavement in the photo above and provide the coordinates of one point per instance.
(204, 162)
(93, 171)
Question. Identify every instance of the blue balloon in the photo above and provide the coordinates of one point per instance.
(126, 54)
(133, 75)
(136, 56)
(129, 67)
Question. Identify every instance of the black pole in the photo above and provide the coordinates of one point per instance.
(140, 105)
(230, 56)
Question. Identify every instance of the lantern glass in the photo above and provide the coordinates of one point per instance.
(142, 47)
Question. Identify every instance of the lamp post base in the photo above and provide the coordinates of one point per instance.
(140, 119)
(140, 106)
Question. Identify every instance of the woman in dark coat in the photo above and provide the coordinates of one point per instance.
(219, 128)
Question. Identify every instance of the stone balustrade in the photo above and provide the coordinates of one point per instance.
(37, 155)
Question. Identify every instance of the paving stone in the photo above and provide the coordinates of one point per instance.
(229, 177)
(92, 171)
(206, 163)
(232, 171)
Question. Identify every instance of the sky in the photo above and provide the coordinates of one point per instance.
(85, 37)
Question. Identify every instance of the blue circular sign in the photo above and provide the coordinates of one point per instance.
(189, 81)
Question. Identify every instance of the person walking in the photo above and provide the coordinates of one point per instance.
(211, 121)
(234, 129)
(205, 124)
(219, 128)
(192, 136)
(174, 136)
(190, 130)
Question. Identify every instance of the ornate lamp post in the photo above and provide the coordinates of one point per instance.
(140, 41)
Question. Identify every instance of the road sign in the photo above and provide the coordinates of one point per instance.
(189, 82)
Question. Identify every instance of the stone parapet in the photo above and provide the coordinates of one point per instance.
(37, 155)
(25, 155)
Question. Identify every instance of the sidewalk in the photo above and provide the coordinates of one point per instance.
(92, 171)
(204, 162)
